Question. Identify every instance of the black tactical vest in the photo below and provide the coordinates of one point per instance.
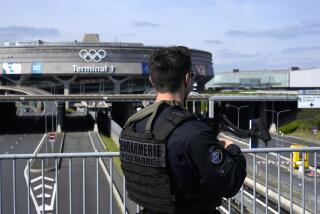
(144, 157)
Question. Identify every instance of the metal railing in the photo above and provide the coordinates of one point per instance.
(273, 185)
(87, 183)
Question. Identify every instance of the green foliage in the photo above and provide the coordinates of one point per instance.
(291, 127)
(112, 147)
(70, 110)
(302, 126)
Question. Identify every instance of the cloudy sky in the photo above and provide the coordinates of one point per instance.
(244, 34)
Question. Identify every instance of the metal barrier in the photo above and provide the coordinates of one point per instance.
(273, 186)
(28, 179)
(61, 182)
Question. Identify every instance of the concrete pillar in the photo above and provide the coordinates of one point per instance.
(211, 108)
(197, 106)
(190, 106)
(117, 88)
(121, 111)
(66, 87)
(262, 111)
(60, 115)
(117, 83)
(16, 82)
(66, 91)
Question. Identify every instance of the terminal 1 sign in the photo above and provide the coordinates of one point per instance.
(93, 69)
(93, 56)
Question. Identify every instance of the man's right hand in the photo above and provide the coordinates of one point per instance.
(224, 142)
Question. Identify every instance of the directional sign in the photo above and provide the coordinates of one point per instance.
(309, 92)
(52, 137)
(309, 101)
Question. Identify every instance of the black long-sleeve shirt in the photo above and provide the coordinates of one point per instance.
(196, 159)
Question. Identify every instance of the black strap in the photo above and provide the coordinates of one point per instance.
(175, 118)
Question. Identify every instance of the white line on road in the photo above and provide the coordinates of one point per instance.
(45, 195)
(45, 186)
(105, 171)
(27, 179)
(40, 177)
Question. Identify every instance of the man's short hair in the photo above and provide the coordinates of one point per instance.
(169, 67)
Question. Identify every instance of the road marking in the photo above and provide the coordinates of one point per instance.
(17, 142)
(27, 179)
(40, 177)
(45, 195)
(45, 186)
(115, 191)
(11, 147)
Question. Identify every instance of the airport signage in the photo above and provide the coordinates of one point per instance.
(309, 92)
(36, 68)
(145, 68)
(110, 69)
(11, 68)
(309, 101)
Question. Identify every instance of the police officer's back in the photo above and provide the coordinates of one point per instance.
(170, 159)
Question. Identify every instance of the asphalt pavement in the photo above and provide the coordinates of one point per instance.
(272, 176)
(16, 144)
(80, 142)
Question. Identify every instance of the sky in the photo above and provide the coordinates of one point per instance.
(240, 34)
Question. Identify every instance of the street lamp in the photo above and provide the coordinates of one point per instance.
(278, 114)
(238, 110)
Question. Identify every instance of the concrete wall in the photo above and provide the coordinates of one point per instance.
(8, 113)
(115, 132)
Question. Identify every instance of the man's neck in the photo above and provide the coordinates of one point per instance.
(169, 97)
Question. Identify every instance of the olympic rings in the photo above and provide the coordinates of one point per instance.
(92, 55)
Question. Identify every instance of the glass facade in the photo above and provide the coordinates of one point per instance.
(251, 79)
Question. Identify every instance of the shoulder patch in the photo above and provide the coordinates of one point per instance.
(215, 155)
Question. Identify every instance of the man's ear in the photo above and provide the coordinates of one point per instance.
(188, 78)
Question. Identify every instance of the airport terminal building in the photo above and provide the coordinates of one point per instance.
(293, 78)
(89, 66)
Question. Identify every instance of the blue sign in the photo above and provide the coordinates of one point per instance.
(36, 68)
(145, 68)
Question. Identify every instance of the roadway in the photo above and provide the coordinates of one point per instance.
(80, 142)
(16, 144)
(284, 171)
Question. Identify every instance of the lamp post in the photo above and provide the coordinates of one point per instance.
(238, 110)
(278, 114)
